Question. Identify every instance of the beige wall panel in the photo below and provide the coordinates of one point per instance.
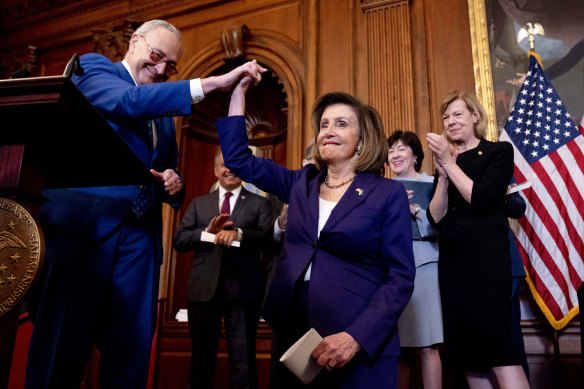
(336, 46)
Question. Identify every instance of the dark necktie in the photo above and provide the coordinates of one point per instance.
(225, 206)
(143, 201)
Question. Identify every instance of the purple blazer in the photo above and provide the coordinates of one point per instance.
(363, 268)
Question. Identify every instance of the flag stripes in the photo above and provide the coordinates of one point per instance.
(549, 152)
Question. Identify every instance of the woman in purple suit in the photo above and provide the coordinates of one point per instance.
(347, 266)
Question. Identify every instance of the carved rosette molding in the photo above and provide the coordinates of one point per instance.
(481, 58)
(25, 58)
(112, 41)
(391, 83)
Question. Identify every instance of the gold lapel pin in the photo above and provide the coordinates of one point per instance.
(480, 153)
(359, 191)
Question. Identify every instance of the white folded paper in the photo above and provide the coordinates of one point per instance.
(298, 357)
(519, 187)
(182, 315)
(208, 237)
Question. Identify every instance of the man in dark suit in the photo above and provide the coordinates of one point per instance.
(225, 281)
(103, 245)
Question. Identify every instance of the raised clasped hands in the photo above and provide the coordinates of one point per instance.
(444, 152)
(218, 227)
(251, 70)
(335, 351)
(173, 184)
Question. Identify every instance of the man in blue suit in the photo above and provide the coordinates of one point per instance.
(104, 246)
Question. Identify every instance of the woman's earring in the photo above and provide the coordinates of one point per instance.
(359, 148)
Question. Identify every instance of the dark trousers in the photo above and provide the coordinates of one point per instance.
(241, 320)
(95, 293)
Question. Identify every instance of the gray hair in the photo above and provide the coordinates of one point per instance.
(152, 25)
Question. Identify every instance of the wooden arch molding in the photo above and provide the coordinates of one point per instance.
(283, 59)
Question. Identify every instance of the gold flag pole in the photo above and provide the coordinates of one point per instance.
(530, 31)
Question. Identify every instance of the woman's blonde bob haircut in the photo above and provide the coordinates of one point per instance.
(371, 135)
(473, 105)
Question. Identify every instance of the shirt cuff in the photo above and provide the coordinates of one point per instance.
(239, 234)
(197, 94)
(278, 232)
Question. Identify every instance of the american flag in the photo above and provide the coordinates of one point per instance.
(549, 152)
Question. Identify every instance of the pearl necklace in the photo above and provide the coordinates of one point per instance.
(338, 185)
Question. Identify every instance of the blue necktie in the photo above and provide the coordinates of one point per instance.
(143, 201)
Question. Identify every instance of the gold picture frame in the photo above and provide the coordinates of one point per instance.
(481, 58)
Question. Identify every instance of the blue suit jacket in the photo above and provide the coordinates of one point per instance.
(93, 213)
(362, 264)
(515, 209)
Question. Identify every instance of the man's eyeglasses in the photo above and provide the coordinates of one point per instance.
(157, 58)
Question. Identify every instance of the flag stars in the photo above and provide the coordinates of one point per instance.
(539, 114)
(557, 122)
(568, 124)
(530, 113)
(546, 137)
(547, 127)
(558, 112)
(522, 101)
(536, 134)
(540, 105)
(525, 142)
(567, 134)
(531, 103)
(534, 153)
(549, 90)
(538, 124)
(556, 141)
(527, 131)
(545, 147)
(520, 111)
(528, 122)
(535, 144)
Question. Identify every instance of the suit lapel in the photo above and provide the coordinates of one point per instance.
(360, 188)
(124, 73)
(212, 205)
(313, 197)
(239, 203)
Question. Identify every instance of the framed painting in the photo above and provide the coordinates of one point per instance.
(501, 62)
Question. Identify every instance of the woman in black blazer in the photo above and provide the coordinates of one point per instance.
(474, 265)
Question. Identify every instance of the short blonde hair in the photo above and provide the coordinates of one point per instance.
(473, 105)
(371, 135)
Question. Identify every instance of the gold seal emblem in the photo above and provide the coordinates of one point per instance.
(21, 253)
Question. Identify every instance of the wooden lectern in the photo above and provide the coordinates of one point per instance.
(50, 137)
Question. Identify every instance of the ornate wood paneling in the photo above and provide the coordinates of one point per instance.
(400, 56)
(390, 72)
